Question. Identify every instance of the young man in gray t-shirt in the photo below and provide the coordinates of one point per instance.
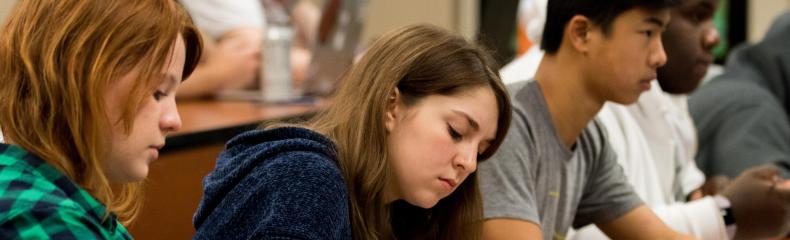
(555, 169)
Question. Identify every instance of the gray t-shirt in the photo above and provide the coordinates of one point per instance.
(534, 177)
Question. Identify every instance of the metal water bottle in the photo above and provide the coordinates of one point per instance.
(276, 82)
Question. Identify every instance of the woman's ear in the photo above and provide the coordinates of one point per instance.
(393, 110)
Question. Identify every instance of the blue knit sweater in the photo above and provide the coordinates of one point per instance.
(282, 183)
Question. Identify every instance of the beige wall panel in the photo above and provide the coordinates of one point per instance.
(5, 9)
(761, 14)
(385, 15)
(460, 16)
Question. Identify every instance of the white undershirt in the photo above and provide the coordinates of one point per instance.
(216, 17)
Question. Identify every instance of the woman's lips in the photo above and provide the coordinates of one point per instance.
(449, 184)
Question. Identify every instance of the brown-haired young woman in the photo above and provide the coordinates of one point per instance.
(394, 156)
(86, 100)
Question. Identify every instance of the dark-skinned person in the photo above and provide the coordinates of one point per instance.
(742, 115)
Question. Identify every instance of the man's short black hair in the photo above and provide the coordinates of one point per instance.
(602, 13)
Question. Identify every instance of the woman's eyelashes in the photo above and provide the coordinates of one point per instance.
(455, 135)
(158, 94)
(166, 87)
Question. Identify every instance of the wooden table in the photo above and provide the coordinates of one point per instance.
(174, 185)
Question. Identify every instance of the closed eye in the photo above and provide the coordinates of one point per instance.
(453, 133)
(159, 95)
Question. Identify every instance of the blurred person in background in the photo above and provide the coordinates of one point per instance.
(742, 115)
(531, 17)
(234, 32)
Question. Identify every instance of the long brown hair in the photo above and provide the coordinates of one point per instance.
(58, 58)
(419, 61)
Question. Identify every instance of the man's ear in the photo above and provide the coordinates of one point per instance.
(579, 32)
(393, 110)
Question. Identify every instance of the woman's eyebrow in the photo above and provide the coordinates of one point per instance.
(471, 121)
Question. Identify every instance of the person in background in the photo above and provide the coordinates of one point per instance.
(233, 33)
(742, 115)
(532, 18)
(87, 99)
(394, 157)
(655, 141)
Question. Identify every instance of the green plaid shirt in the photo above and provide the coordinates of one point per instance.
(39, 202)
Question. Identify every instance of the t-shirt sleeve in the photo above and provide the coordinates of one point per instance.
(740, 125)
(505, 177)
(607, 194)
(216, 17)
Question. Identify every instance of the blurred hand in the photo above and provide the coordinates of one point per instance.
(300, 63)
(715, 185)
(760, 203)
(236, 58)
(229, 63)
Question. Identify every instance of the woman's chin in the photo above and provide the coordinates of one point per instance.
(427, 201)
